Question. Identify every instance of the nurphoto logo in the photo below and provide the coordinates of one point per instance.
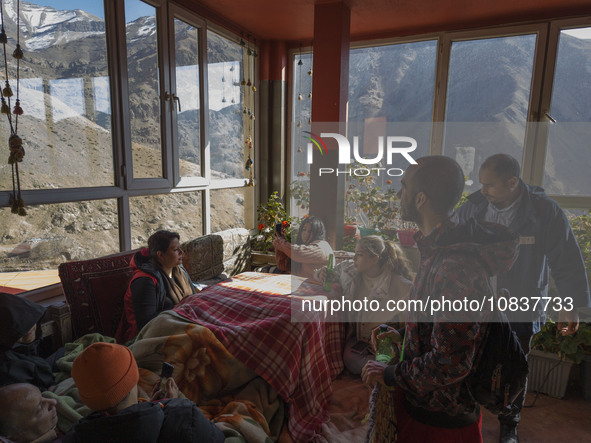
(393, 145)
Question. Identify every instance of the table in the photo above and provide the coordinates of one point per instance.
(250, 314)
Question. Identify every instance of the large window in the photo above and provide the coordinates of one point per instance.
(54, 233)
(144, 88)
(227, 120)
(568, 118)
(65, 96)
(391, 93)
(521, 90)
(487, 100)
(122, 132)
(177, 212)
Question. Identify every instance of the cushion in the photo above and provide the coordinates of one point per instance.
(214, 257)
(94, 289)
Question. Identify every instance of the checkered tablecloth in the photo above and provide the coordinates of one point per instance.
(251, 316)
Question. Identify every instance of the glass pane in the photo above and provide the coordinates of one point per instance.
(55, 233)
(232, 208)
(568, 161)
(391, 91)
(301, 112)
(65, 96)
(187, 89)
(226, 118)
(178, 212)
(144, 89)
(487, 100)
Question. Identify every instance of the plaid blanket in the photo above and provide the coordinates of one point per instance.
(250, 314)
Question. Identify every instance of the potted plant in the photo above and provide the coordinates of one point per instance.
(368, 203)
(270, 214)
(581, 225)
(553, 355)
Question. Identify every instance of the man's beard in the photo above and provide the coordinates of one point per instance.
(409, 212)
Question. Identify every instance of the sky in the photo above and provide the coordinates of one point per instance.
(133, 8)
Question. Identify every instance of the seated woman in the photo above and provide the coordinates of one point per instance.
(159, 282)
(309, 252)
(379, 271)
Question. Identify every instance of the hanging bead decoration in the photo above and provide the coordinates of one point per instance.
(248, 91)
(310, 96)
(223, 82)
(233, 83)
(15, 143)
(300, 98)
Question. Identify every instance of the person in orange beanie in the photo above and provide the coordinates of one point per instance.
(106, 376)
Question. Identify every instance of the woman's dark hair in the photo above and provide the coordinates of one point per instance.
(316, 229)
(160, 241)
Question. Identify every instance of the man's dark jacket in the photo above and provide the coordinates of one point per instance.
(546, 242)
(19, 363)
(175, 420)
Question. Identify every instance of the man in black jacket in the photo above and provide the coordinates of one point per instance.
(106, 376)
(19, 338)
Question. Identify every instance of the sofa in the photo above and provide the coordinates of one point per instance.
(94, 288)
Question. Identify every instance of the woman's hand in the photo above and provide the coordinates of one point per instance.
(320, 274)
(391, 332)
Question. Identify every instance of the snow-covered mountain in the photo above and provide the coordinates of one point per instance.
(44, 26)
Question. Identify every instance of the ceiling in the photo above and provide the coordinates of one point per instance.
(293, 20)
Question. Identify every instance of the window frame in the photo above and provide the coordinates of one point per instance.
(535, 139)
(125, 185)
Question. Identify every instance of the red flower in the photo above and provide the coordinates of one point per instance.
(302, 174)
(261, 227)
(284, 223)
(389, 182)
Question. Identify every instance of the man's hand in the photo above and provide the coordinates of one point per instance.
(373, 372)
(568, 322)
(172, 390)
(391, 332)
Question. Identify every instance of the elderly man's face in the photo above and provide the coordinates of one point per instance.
(30, 414)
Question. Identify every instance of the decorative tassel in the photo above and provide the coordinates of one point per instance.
(5, 109)
(18, 52)
(3, 37)
(17, 108)
(21, 206)
(7, 91)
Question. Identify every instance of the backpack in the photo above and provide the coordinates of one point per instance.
(500, 368)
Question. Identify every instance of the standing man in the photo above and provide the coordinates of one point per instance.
(546, 241)
(433, 403)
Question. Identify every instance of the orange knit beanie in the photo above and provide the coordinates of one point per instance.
(104, 374)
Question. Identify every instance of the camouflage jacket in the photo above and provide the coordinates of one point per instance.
(439, 348)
